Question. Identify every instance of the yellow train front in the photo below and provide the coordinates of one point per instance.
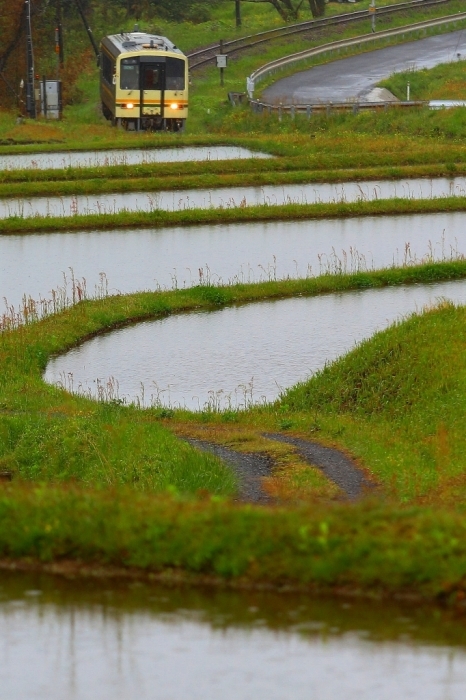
(143, 82)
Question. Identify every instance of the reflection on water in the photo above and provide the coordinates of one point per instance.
(237, 355)
(119, 642)
(247, 252)
(233, 197)
(130, 156)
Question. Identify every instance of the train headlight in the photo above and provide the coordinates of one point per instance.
(174, 105)
(129, 105)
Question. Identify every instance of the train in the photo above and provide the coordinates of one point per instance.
(143, 82)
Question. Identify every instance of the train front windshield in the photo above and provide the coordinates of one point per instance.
(148, 73)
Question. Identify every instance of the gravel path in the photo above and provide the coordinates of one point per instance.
(248, 467)
(251, 467)
(334, 464)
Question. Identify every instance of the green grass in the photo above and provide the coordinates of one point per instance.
(400, 402)
(446, 81)
(109, 484)
(48, 434)
(327, 160)
(373, 548)
(266, 212)
(397, 402)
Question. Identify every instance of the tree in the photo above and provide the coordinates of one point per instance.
(289, 9)
(317, 7)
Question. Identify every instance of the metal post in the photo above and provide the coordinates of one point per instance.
(372, 11)
(238, 12)
(44, 96)
(221, 69)
(30, 93)
(408, 91)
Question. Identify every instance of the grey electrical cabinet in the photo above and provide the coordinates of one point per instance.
(50, 99)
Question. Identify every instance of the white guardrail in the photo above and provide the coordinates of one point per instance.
(280, 63)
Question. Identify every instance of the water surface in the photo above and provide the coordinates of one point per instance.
(86, 640)
(145, 259)
(123, 156)
(231, 197)
(237, 355)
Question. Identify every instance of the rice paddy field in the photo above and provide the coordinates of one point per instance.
(95, 481)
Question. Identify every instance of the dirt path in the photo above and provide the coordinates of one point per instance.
(335, 464)
(251, 467)
(248, 467)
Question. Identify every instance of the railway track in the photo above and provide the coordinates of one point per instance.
(204, 56)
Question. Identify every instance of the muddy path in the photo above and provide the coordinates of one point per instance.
(250, 468)
(335, 464)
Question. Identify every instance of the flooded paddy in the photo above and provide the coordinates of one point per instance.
(81, 640)
(231, 197)
(125, 156)
(238, 355)
(145, 259)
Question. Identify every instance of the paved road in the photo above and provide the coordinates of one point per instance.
(355, 77)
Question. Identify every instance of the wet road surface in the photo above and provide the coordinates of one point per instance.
(354, 77)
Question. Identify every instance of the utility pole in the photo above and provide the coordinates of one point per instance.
(30, 91)
(88, 29)
(59, 36)
(238, 12)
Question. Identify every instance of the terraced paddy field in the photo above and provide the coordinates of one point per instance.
(140, 259)
(267, 195)
(219, 531)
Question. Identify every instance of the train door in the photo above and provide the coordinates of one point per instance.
(152, 87)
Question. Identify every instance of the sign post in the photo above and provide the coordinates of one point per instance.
(221, 61)
(372, 11)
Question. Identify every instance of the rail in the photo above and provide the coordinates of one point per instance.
(203, 56)
(273, 66)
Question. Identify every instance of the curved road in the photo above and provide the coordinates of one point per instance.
(355, 77)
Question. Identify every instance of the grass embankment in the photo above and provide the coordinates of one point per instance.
(370, 549)
(397, 402)
(236, 213)
(444, 82)
(326, 158)
(47, 435)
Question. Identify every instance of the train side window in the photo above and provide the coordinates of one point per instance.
(129, 76)
(175, 74)
(108, 68)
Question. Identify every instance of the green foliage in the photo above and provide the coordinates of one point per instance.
(446, 81)
(401, 398)
(266, 212)
(372, 547)
(108, 446)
